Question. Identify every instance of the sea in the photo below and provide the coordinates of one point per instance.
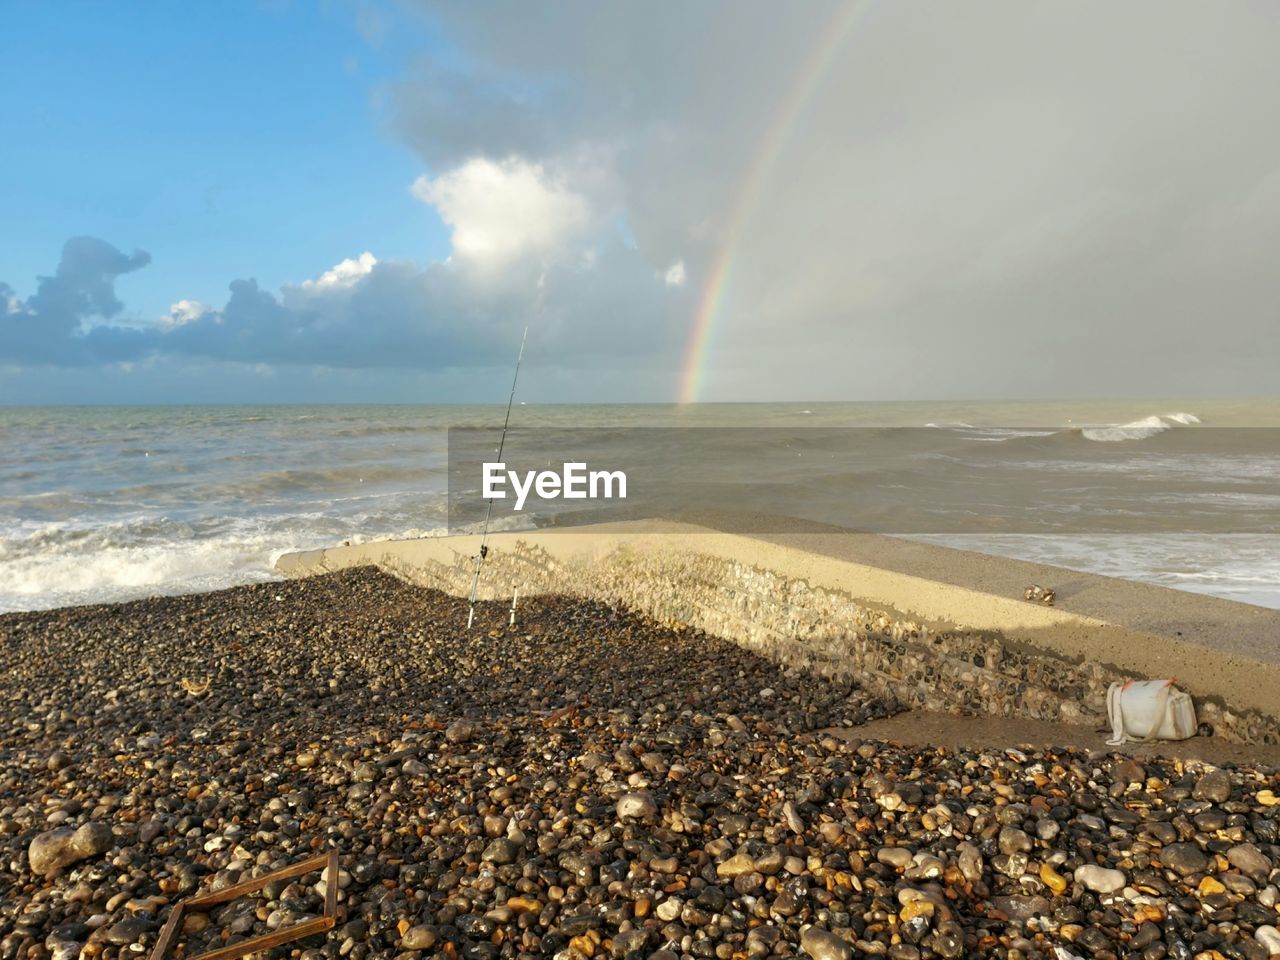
(111, 503)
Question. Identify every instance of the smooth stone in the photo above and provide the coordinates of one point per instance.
(1012, 840)
(1100, 879)
(640, 806)
(1214, 786)
(823, 945)
(421, 937)
(761, 940)
(1269, 937)
(56, 849)
(669, 909)
(1250, 860)
(194, 922)
(948, 944)
(1128, 771)
(128, 931)
(1184, 858)
(736, 866)
(794, 823)
(630, 941)
(770, 861)
(969, 860)
(899, 857)
(460, 731)
(500, 851)
(1052, 879)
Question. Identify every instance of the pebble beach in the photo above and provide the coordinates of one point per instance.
(585, 783)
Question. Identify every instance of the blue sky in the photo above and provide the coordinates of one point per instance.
(228, 139)
(367, 200)
(253, 147)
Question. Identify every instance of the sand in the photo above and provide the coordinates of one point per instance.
(921, 729)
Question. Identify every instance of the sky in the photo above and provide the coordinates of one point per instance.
(368, 200)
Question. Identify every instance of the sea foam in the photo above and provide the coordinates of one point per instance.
(1138, 429)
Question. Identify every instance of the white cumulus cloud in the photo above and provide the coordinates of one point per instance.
(345, 274)
(502, 211)
(675, 275)
(183, 312)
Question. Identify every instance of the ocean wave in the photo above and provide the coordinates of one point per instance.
(375, 430)
(990, 434)
(59, 564)
(1235, 566)
(1138, 429)
(292, 482)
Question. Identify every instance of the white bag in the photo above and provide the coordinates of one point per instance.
(1145, 710)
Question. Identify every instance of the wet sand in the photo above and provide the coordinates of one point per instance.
(921, 729)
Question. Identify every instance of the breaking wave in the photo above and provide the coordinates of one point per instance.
(85, 517)
(1138, 429)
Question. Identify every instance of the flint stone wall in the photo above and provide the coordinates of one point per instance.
(920, 667)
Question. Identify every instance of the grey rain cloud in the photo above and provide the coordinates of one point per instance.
(993, 199)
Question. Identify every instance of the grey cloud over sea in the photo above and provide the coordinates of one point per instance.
(46, 328)
(1001, 198)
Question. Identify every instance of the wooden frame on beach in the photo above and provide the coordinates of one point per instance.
(201, 902)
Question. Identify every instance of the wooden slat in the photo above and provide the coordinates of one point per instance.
(331, 886)
(323, 861)
(169, 929)
(249, 886)
(268, 940)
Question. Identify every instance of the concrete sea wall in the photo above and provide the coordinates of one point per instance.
(922, 662)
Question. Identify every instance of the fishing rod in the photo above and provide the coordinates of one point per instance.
(484, 536)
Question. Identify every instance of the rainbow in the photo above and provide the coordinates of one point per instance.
(711, 297)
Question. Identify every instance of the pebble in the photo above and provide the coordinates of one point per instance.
(639, 806)
(586, 784)
(500, 851)
(898, 857)
(823, 945)
(1214, 786)
(1184, 858)
(1250, 860)
(460, 731)
(1052, 879)
(1100, 879)
(1012, 840)
(736, 866)
(1269, 937)
(56, 849)
(1127, 771)
(420, 937)
(128, 931)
